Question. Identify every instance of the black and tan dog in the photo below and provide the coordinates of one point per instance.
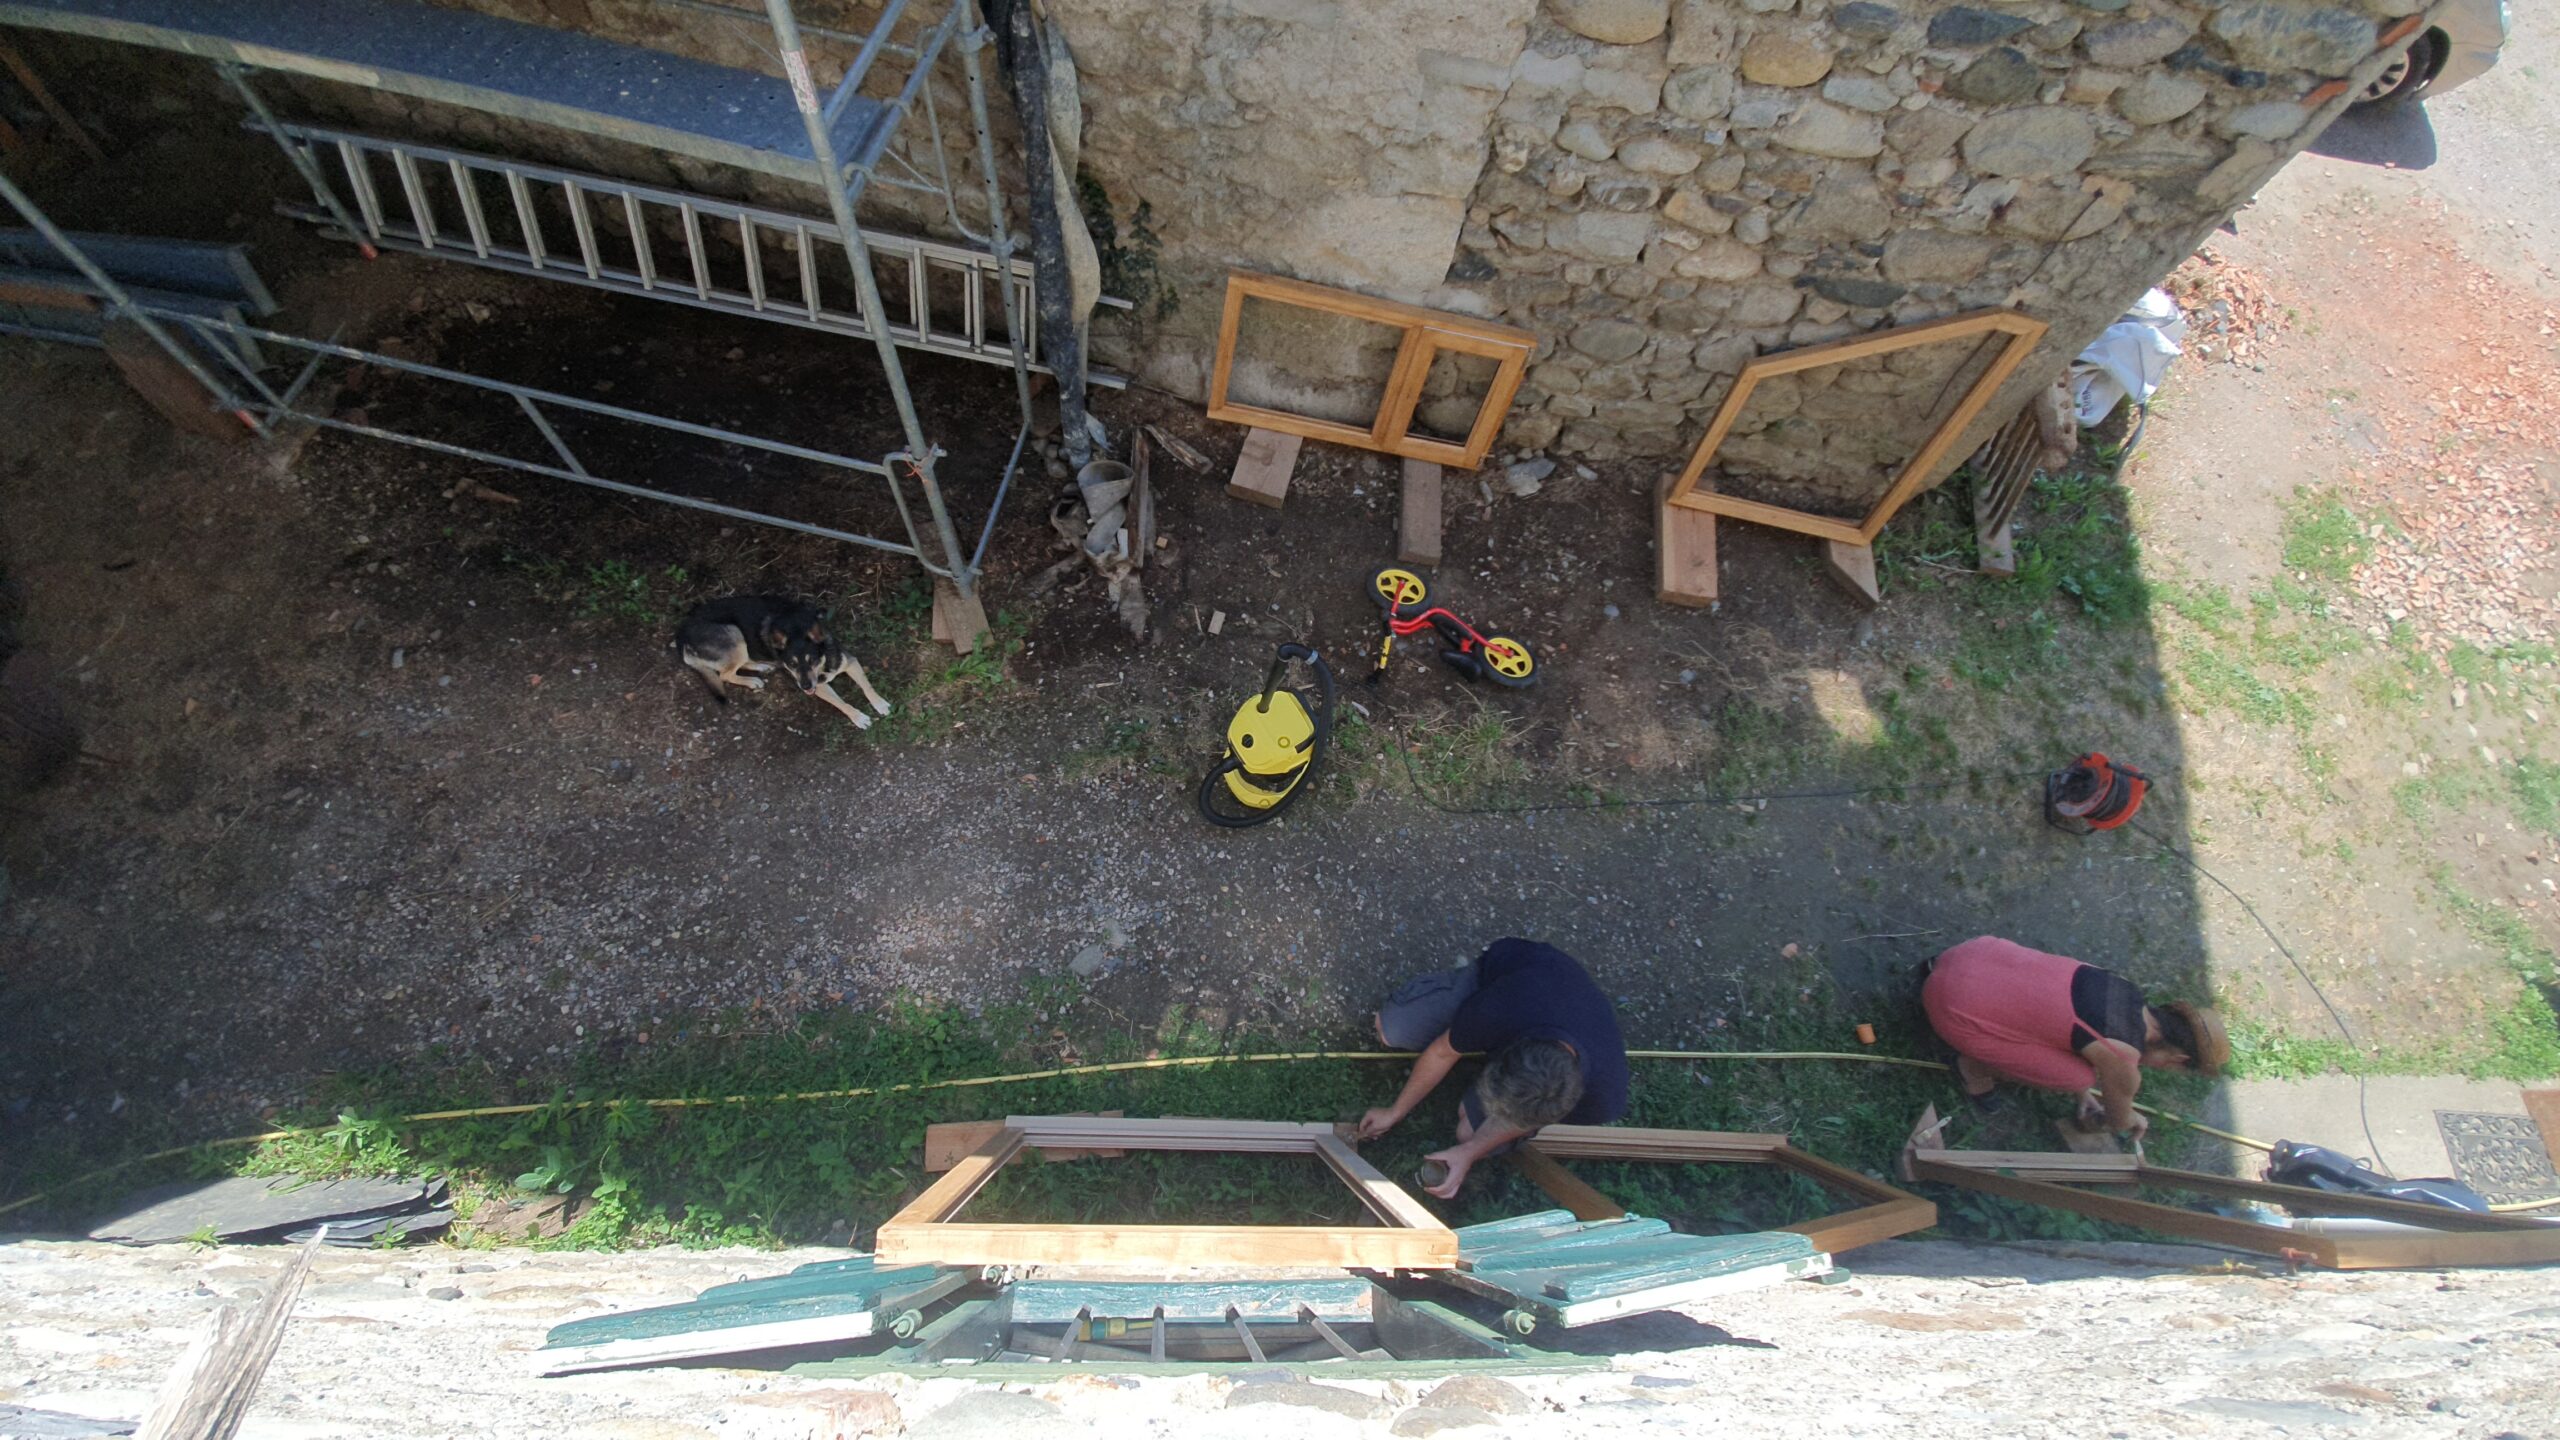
(741, 639)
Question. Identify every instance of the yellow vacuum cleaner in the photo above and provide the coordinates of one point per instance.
(1273, 745)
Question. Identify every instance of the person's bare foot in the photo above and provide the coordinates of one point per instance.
(1378, 1023)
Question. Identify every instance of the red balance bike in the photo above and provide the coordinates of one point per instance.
(1406, 601)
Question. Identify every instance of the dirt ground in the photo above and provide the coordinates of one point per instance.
(382, 771)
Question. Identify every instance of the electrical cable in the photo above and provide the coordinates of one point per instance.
(2364, 1116)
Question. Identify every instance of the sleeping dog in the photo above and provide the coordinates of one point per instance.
(743, 638)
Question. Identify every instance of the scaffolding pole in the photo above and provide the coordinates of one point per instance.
(920, 452)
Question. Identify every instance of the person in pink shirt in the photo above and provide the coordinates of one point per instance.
(2053, 1023)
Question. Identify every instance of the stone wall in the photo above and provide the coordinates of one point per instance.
(1664, 188)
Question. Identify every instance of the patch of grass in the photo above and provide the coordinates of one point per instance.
(2323, 538)
(2215, 677)
(2533, 788)
(2454, 787)
(612, 590)
(1466, 756)
(2207, 607)
(2500, 928)
(952, 690)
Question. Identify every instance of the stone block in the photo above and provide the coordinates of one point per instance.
(1585, 139)
(1703, 92)
(1660, 155)
(1787, 58)
(1720, 259)
(1866, 20)
(1619, 22)
(2055, 34)
(1843, 207)
(1860, 92)
(1703, 32)
(1751, 227)
(1928, 133)
(2158, 155)
(1720, 174)
(1822, 128)
(2156, 97)
(1857, 292)
(1541, 73)
(1608, 340)
(2000, 77)
(1764, 305)
(1622, 193)
(2293, 36)
(2132, 44)
(1626, 79)
(2040, 140)
(1964, 25)
(1762, 109)
(2266, 120)
(1931, 257)
(1603, 235)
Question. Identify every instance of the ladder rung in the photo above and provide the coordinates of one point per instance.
(693, 247)
(640, 241)
(809, 272)
(585, 224)
(360, 180)
(526, 219)
(420, 209)
(755, 261)
(472, 218)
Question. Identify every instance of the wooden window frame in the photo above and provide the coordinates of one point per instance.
(1409, 1236)
(1885, 1213)
(1689, 492)
(2452, 1238)
(1426, 333)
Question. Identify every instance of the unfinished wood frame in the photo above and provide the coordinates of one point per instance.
(1885, 1213)
(1426, 334)
(1688, 492)
(2437, 1237)
(1408, 1237)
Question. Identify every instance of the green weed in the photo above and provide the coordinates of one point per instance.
(2323, 538)
(2533, 785)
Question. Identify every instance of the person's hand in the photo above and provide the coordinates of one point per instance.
(1376, 1123)
(2140, 1127)
(1459, 1162)
(2093, 1114)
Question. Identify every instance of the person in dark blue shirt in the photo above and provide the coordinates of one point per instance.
(1548, 1035)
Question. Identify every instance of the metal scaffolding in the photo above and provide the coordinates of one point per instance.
(593, 86)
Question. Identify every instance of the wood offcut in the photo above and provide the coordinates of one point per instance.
(1426, 333)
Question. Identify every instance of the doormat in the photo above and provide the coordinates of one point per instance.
(2501, 1156)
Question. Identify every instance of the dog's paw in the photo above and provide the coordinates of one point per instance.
(880, 705)
(860, 720)
(751, 682)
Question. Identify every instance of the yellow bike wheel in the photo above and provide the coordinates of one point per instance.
(1398, 591)
(1509, 662)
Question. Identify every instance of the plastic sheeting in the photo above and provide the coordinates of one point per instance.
(2129, 359)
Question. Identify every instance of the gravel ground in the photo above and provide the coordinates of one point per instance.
(1926, 1340)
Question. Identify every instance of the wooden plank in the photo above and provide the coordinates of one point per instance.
(1263, 466)
(1563, 1186)
(1839, 1179)
(207, 1395)
(1821, 527)
(46, 296)
(1229, 1249)
(1369, 307)
(1142, 507)
(42, 94)
(1853, 568)
(2108, 1169)
(165, 385)
(1684, 552)
(1839, 1234)
(946, 1144)
(2544, 1107)
(1917, 473)
(2305, 1201)
(2429, 1252)
(945, 1196)
(1394, 422)
(1172, 1132)
(1627, 1142)
(2141, 1214)
(1385, 1199)
(1418, 528)
(959, 621)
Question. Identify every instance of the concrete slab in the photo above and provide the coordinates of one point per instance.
(2323, 1111)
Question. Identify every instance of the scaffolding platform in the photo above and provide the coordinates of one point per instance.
(557, 77)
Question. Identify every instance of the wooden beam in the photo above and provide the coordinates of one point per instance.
(165, 385)
(1684, 552)
(1229, 1249)
(1853, 568)
(944, 1197)
(1173, 1133)
(1839, 1234)
(207, 1395)
(1563, 1186)
(1418, 528)
(1716, 502)
(1627, 1142)
(2141, 1214)
(1385, 1199)
(1262, 467)
(947, 1144)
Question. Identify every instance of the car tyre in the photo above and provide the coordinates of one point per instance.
(2404, 81)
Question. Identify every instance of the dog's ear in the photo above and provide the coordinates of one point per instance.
(817, 632)
(774, 635)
